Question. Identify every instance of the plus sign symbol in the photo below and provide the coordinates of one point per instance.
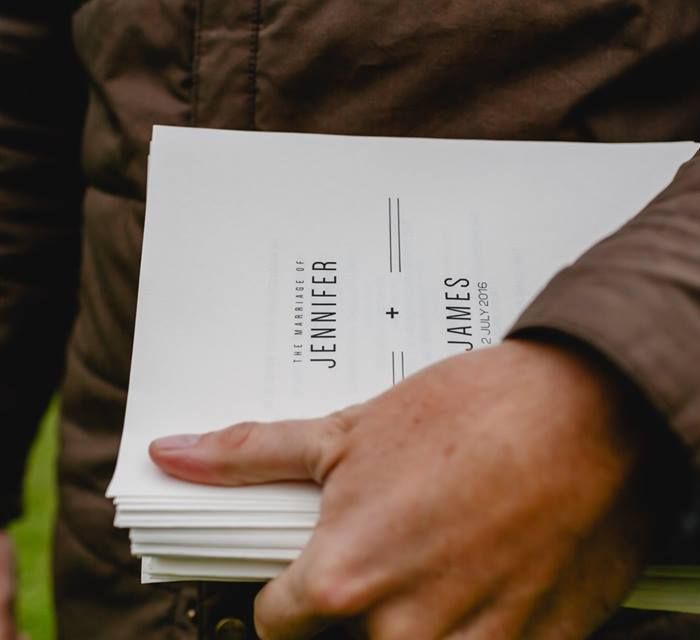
(392, 313)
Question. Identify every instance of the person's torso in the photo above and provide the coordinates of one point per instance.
(612, 70)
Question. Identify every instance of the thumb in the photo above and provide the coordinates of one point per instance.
(255, 452)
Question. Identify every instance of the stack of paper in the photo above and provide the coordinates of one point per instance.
(289, 275)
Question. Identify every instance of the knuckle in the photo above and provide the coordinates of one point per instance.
(393, 627)
(330, 594)
(217, 451)
(330, 445)
(341, 422)
(236, 435)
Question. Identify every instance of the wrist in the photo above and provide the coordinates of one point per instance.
(653, 464)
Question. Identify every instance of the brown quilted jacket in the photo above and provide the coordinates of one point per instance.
(82, 86)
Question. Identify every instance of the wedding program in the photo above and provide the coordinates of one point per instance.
(289, 275)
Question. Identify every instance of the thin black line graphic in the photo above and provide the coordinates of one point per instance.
(393, 369)
(398, 228)
(391, 243)
(403, 371)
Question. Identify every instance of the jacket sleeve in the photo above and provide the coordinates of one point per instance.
(41, 107)
(635, 298)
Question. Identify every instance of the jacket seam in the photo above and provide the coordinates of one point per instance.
(255, 22)
(196, 59)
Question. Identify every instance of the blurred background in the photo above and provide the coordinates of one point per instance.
(32, 533)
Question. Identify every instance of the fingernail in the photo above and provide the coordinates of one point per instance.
(174, 443)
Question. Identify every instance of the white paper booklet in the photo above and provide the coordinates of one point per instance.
(289, 275)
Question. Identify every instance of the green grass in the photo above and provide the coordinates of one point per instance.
(32, 534)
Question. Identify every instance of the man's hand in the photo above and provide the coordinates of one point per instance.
(491, 495)
(8, 630)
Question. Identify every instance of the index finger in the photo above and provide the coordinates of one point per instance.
(313, 593)
(254, 452)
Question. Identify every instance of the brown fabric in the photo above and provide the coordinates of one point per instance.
(629, 624)
(40, 188)
(634, 297)
(598, 70)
